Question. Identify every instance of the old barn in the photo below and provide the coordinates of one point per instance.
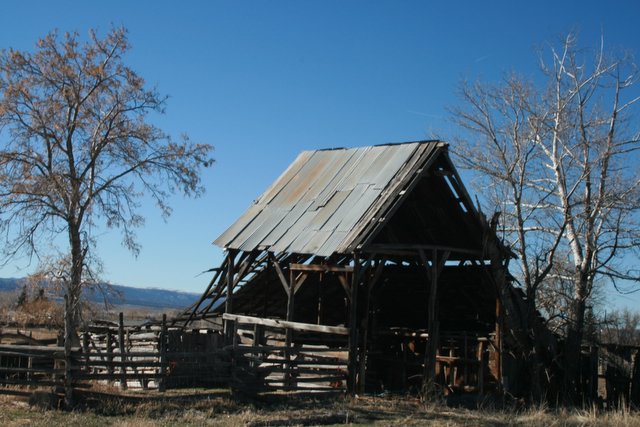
(368, 269)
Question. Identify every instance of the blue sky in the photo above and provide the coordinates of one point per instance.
(263, 80)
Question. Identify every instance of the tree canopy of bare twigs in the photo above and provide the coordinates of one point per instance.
(559, 157)
(77, 149)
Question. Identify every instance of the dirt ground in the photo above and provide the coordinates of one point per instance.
(206, 407)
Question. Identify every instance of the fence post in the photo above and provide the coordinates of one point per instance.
(123, 367)
(231, 331)
(109, 356)
(68, 380)
(162, 386)
(634, 397)
(86, 350)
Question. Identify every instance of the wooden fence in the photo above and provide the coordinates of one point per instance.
(153, 356)
(31, 366)
(257, 355)
(273, 354)
(149, 356)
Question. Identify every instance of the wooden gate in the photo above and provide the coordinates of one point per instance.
(271, 354)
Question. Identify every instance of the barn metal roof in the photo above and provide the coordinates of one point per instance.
(326, 199)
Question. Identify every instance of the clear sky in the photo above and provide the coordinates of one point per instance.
(263, 80)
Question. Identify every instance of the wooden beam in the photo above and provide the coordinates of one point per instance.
(365, 325)
(433, 324)
(291, 299)
(283, 280)
(299, 281)
(297, 326)
(408, 249)
(194, 308)
(498, 342)
(345, 285)
(353, 327)
(228, 303)
(321, 268)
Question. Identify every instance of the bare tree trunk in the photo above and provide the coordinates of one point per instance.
(74, 286)
(573, 343)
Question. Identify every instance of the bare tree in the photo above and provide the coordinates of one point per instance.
(77, 149)
(621, 327)
(559, 157)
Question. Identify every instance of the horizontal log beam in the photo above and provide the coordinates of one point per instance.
(296, 326)
(406, 249)
(321, 268)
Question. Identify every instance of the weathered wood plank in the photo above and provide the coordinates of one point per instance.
(320, 268)
(296, 326)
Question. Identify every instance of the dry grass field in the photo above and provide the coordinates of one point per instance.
(197, 407)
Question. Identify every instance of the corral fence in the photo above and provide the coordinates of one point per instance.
(271, 354)
(615, 370)
(257, 355)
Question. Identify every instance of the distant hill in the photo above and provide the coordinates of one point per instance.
(129, 295)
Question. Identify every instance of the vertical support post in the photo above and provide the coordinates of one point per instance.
(290, 296)
(68, 380)
(162, 386)
(353, 328)
(465, 354)
(368, 284)
(228, 302)
(288, 331)
(29, 366)
(634, 395)
(498, 343)
(86, 349)
(123, 367)
(432, 324)
(320, 289)
(109, 355)
(481, 366)
(593, 374)
(258, 340)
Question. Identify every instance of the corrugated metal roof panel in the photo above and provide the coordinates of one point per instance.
(323, 197)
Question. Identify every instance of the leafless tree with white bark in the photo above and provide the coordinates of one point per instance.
(558, 156)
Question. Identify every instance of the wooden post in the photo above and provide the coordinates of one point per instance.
(110, 355)
(593, 374)
(634, 395)
(162, 386)
(68, 380)
(353, 328)
(29, 366)
(123, 367)
(364, 333)
(235, 368)
(465, 354)
(481, 363)
(498, 343)
(320, 289)
(432, 324)
(86, 350)
(258, 338)
(228, 303)
(288, 377)
(291, 297)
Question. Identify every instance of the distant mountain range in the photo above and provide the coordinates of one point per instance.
(120, 295)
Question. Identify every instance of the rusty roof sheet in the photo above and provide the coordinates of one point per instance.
(325, 199)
